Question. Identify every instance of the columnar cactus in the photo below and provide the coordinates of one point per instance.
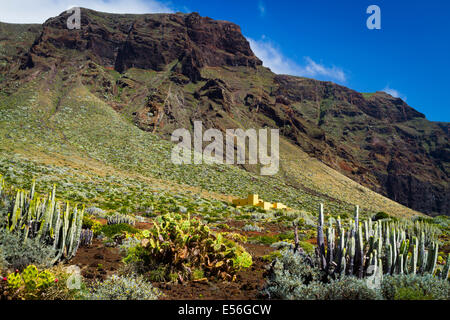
(45, 219)
(446, 270)
(320, 239)
(370, 248)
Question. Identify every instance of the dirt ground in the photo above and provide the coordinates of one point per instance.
(247, 287)
(98, 262)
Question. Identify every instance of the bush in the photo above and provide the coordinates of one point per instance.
(18, 254)
(442, 221)
(115, 229)
(411, 294)
(4, 207)
(294, 276)
(96, 212)
(272, 256)
(3, 263)
(308, 247)
(346, 288)
(88, 223)
(380, 216)
(289, 275)
(185, 245)
(61, 290)
(415, 287)
(97, 228)
(252, 227)
(118, 218)
(30, 284)
(123, 288)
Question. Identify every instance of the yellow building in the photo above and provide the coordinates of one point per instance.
(265, 205)
(253, 200)
(280, 206)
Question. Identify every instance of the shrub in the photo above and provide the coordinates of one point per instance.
(442, 221)
(346, 288)
(115, 229)
(411, 294)
(88, 223)
(18, 253)
(308, 247)
(60, 290)
(282, 245)
(223, 226)
(123, 288)
(86, 237)
(252, 227)
(289, 275)
(158, 275)
(381, 215)
(415, 287)
(118, 218)
(295, 276)
(30, 283)
(46, 219)
(183, 245)
(198, 274)
(3, 263)
(96, 212)
(97, 228)
(272, 256)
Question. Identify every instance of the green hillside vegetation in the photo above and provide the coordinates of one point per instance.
(73, 125)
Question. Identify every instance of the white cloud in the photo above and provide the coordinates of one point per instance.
(274, 59)
(33, 11)
(394, 93)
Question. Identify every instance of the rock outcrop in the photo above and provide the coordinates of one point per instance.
(150, 41)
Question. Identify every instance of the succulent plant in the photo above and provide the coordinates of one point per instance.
(359, 250)
(86, 237)
(45, 219)
(121, 218)
(186, 244)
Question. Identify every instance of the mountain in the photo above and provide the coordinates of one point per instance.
(105, 95)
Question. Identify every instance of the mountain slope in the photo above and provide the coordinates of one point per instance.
(107, 93)
(74, 138)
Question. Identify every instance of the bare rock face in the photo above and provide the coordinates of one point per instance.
(385, 107)
(384, 143)
(148, 41)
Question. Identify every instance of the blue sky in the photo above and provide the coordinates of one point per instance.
(323, 39)
(409, 57)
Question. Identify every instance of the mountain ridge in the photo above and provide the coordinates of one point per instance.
(374, 139)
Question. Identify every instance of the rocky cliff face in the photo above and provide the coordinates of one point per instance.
(148, 41)
(193, 67)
